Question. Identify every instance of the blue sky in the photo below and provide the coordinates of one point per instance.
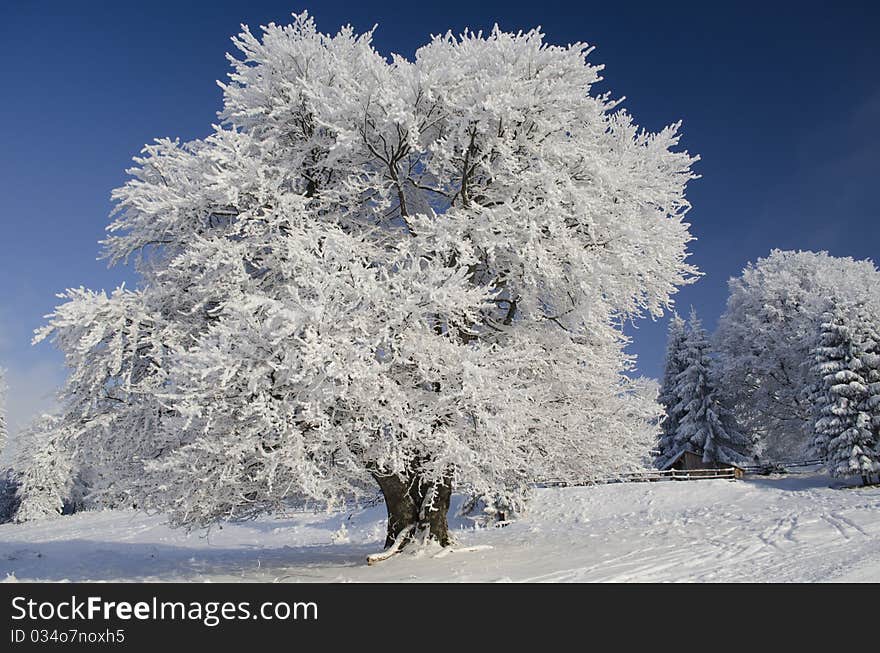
(781, 101)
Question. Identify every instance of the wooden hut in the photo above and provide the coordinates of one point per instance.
(688, 460)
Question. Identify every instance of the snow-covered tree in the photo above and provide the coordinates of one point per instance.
(44, 470)
(4, 429)
(830, 360)
(705, 424)
(8, 484)
(766, 337)
(870, 360)
(37, 471)
(845, 429)
(673, 365)
(409, 274)
(8, 495)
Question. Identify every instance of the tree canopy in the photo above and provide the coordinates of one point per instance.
(377, 269)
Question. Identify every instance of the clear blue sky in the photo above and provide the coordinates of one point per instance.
(781, 100)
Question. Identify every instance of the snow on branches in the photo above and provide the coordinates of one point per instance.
(767, 336)
(673, 365)
(696, 418)
(847, 413)
(378, 270)
(44, 470)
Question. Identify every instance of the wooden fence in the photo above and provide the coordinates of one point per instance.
(650, 475)
(780, 466)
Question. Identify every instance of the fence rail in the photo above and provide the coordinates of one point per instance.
(647, 476)
(781, 464)
(651, 475)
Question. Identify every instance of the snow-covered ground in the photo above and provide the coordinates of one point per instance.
(785, 528)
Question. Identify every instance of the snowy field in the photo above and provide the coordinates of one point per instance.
(785, 528)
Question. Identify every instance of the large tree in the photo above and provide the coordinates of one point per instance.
(374, 271)
(766, 338)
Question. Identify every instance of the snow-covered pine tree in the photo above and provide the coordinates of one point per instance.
(813, 395)
(673, 366)
(844, 429)
(705, 424)
(392, 272)
(870, 359)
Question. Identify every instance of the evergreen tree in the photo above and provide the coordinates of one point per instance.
(845, 430)
(706, 425)
(870, 360)
(813, 396)
(668, 397)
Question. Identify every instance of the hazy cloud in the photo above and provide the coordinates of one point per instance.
(31, 391)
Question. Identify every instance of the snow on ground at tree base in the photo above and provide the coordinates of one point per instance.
(779, 528)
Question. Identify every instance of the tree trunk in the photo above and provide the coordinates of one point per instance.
(407, 503)
(434, 519)
(402, 511)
